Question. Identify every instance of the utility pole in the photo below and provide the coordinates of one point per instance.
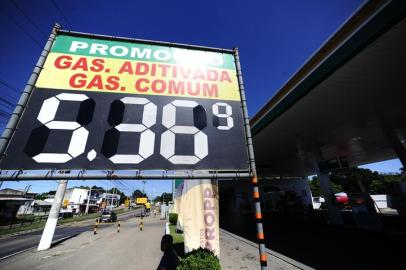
(49, 230)
(143, 187)
(26, 189)
(88, 199)
(111, 203)
(173, 189)
(115, 198)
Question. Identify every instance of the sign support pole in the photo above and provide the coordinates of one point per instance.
(22, 103)
(49, 230)
(254, 181)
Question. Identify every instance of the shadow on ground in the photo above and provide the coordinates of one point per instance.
(319, 245)
(180, 249)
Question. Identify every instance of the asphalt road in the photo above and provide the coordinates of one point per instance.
(129, 249)
(11, 245)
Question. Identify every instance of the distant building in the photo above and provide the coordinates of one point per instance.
(37, 207)
(72, 200)
(110, 200)
(10, 202)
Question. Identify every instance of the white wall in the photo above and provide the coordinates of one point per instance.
(381, 201)
(77, 196)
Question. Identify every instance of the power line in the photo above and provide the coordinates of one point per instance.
(62, 14)
(28, 18)
(22, 28)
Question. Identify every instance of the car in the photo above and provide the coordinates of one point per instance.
(108, 216)
(65, 215)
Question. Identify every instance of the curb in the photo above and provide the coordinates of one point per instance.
(270, 252)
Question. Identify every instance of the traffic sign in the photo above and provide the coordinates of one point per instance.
(141, 200)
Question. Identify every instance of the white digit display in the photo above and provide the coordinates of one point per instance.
(147, 137)
(227, 115)
(168, 137)
(79, 135)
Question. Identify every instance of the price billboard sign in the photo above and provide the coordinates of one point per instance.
(112, 104)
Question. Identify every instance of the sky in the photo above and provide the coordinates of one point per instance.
(274, 38)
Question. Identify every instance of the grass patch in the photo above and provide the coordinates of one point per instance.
(27, 227)
(37, 225)
(78, 218)
(178, 241)
(177, 237)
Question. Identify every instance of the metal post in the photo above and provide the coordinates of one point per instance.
(326, 188)
(256, 195)
(22, 103)
(49, 230)
(134, 175)
(329, 197)
(88, 199)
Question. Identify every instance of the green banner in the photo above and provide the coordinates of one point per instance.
(141, 52)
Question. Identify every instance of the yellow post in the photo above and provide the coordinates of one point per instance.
(95, 226)
(118, 226)
(141, 224)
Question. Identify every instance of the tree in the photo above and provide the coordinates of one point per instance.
(139, 194)
(316, 189)
(354, 179)
(115, 190)
(378, 186)
(166, 197)
(44, 195)
(82, 187)
(98, 188)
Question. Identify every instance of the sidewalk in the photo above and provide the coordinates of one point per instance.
(239, 253)
(129, 249)
(135, 249)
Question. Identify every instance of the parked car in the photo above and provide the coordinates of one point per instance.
(108, 216)
(65, 215)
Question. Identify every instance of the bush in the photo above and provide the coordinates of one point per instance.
(199, 259)
(173, 218)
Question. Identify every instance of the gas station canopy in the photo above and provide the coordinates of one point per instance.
(346, 106)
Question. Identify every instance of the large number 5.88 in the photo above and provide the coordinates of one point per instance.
(146, 147)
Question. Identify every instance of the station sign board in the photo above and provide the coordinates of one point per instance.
(141, 200)
(111, 104)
